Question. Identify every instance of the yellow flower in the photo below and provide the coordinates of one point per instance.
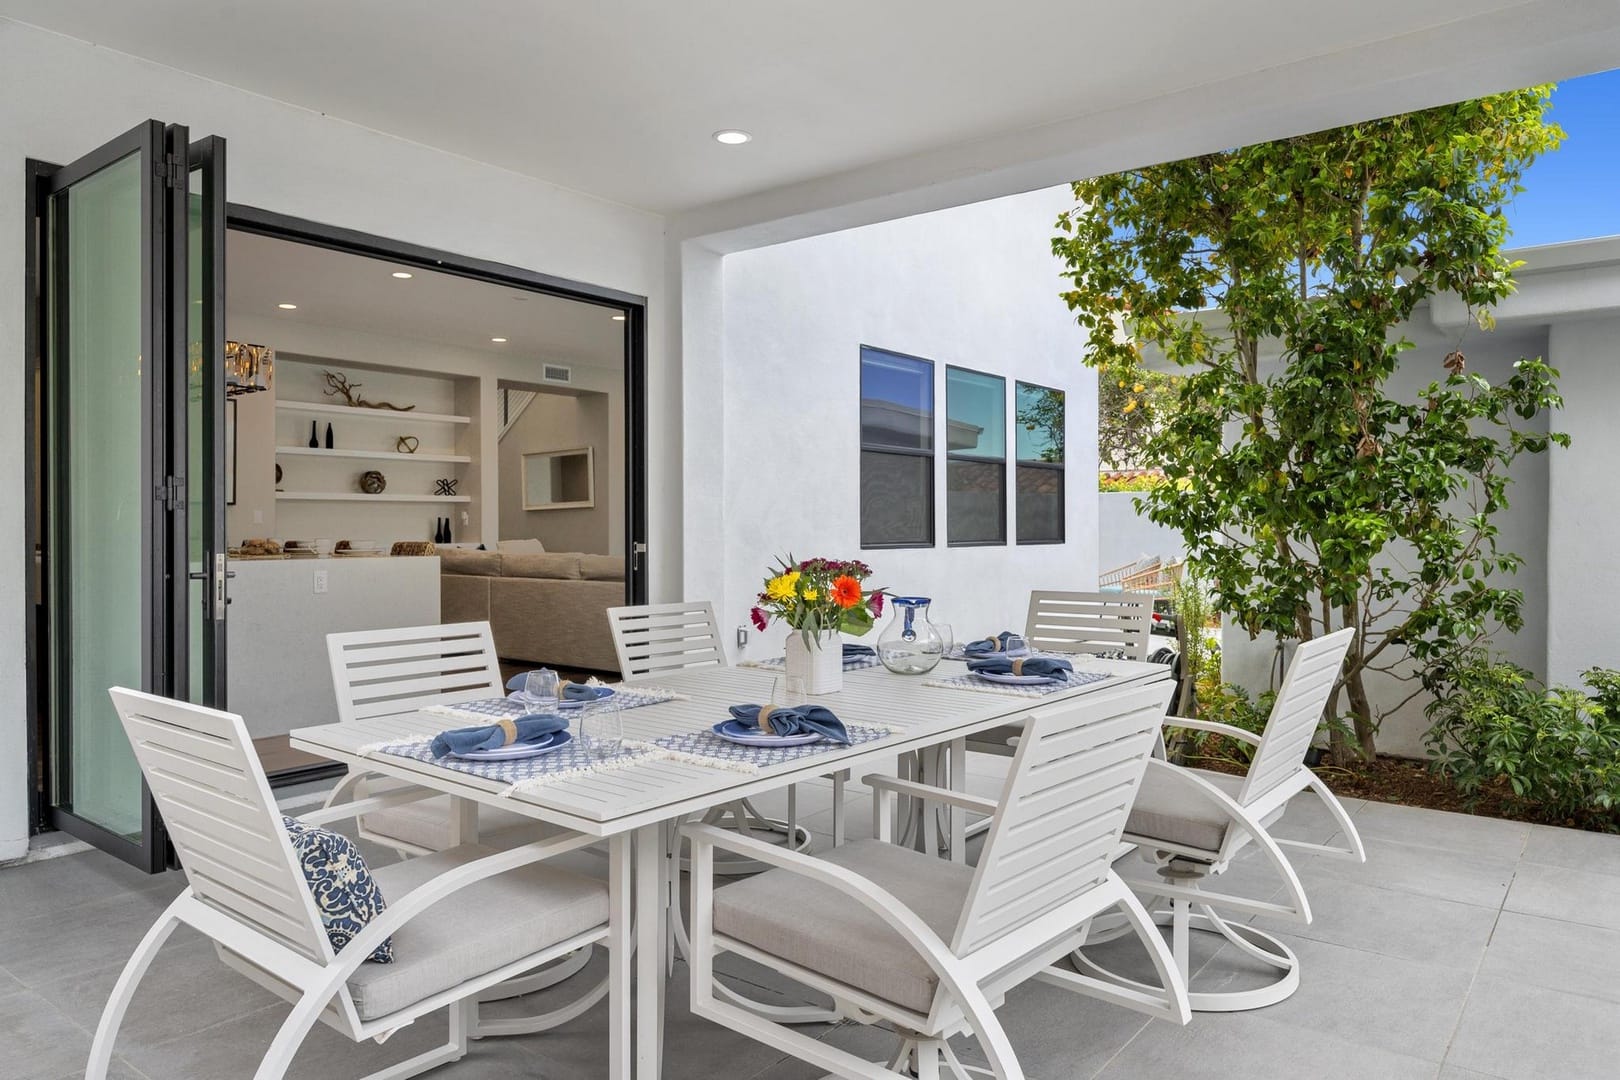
(812, 595)
(782, 586)
(1138, 388)
(1130, 406)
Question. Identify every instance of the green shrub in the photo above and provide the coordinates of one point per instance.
(1557, 749)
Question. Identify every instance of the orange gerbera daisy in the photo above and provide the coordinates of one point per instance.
(846, 591)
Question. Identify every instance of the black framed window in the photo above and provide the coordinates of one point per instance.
(975, 457)
(1039, 415)
(897, 450)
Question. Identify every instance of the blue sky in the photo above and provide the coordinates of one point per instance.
(1574, 192)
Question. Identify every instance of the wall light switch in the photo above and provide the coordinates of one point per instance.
(742, 637)
(320, 582)
(258, 517)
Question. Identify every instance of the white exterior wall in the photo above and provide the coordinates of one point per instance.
(1583, 513)
(974, 287)
(297, 162)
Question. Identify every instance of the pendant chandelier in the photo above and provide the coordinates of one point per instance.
(248, 368)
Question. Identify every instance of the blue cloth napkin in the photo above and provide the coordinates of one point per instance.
(527, 729)
(854, 652)
(1046, 666)
(796, 720)
(569, 691)
(1004, 642)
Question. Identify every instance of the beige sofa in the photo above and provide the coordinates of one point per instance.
(546, 608)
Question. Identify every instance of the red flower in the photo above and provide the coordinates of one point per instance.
(846, 591)
(876, 603)
(760, 621)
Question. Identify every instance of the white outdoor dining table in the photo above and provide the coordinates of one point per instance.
(634, 804)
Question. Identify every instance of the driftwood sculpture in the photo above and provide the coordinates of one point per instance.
(340, 384)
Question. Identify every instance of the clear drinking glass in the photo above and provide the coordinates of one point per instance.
(541, 686)
(947, 636)
(788, 692)
(601, 728)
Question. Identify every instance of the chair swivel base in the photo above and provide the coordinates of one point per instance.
(1252, 942)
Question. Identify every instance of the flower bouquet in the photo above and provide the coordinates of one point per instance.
(820, 598)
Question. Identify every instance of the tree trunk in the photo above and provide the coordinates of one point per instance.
(1361, 713)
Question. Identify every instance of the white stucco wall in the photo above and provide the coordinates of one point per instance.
(297, 162)
(974, 287)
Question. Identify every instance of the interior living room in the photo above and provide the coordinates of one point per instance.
(408, 447)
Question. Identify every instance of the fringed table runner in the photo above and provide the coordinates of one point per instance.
(565, 763)
(971, 681)
(487, 709)
(776, 663)
(956, 653)
(707, 748)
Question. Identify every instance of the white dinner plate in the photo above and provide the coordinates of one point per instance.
(1021, 680)
(738, 732)
(555, 741)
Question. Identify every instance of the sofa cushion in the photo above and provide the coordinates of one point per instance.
(521, 546)
(601, 567)
(472, 563)
(565, 567)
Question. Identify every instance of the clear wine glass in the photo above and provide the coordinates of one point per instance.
(542, 686)
(788, 692)
(601, 728)
(947, 636)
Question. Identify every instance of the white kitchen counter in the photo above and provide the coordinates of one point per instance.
(277, 672)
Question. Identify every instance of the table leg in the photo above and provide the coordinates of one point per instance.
(620, 945)
(958, 818)
(463, 821)
(650, 916)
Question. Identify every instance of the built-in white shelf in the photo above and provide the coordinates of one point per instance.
(372, 414)
(358, 496)
(370, 455)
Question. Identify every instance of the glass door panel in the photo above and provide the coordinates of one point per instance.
(205, 426)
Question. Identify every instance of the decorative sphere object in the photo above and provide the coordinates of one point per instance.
(372, 482)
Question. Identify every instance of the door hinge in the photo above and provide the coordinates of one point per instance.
(172, 170)
(172, 492)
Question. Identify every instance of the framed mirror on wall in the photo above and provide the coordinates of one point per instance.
(559, 479)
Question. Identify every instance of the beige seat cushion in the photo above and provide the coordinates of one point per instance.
(469, 562)
(601, 567)
(563, 567)
(475, 931)
(426, 824)
(1176, 813)
(825, 931)
(521, 546)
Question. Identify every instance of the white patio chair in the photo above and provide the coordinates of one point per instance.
(380, 674)
(1191, 823)
(930, 946)
(462, 920)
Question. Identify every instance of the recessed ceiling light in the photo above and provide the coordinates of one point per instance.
(618, 318)
(732, 137)
(288, 307)
(498, 340)
(403, 274)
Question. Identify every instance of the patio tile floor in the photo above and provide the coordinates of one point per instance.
(1466, 949)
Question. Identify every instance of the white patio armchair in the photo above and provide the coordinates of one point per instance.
(1189, 824)
(462, 920)
(931, 947)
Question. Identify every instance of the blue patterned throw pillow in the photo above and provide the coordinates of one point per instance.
(345, 893)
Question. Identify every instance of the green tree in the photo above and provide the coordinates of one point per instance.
(1275, 277)
(1129, 411)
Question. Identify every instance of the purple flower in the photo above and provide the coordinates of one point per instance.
(760, 620)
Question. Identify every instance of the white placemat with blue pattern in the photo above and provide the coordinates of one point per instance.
(971, 681)
(777, 663)
(707, 748)
(956, 653)
(485, 709)
(524, 773)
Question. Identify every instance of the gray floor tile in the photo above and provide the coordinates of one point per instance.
(1453, 1072)
(1057, 1033)
(1463, 833)
(1400, 924)
(1555, 954)
(1574, 849)
(1247, 1046)
(186, 990)
(40, 1042)
(1481, 880)
(81, 939)
(55, 885)
(1554, 892)
(1524, 1032)
(1403, 1006)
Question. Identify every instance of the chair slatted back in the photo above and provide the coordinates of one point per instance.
(1073, 779)
(653, 638)
(1090, 622)
(1296, 713)
(388, 672)
(219, 813)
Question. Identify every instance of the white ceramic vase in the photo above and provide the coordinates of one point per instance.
(820, 663)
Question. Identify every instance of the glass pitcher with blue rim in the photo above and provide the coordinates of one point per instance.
(910, 645)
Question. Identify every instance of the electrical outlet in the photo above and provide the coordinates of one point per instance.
(320, 582)
(258, 517)
(742, 637)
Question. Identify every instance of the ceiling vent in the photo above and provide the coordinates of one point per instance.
(557, 373)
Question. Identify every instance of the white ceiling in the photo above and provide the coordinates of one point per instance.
(619, 98)
(352, 292)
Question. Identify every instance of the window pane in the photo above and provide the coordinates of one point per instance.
(975, 502)
(897, 401)
(1040, 504)
(1040, 424)
(897, 499)
(976, 408)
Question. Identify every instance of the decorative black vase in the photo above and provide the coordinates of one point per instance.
(448, 538)
(329, 436)
(314, 435)
(441, 530)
